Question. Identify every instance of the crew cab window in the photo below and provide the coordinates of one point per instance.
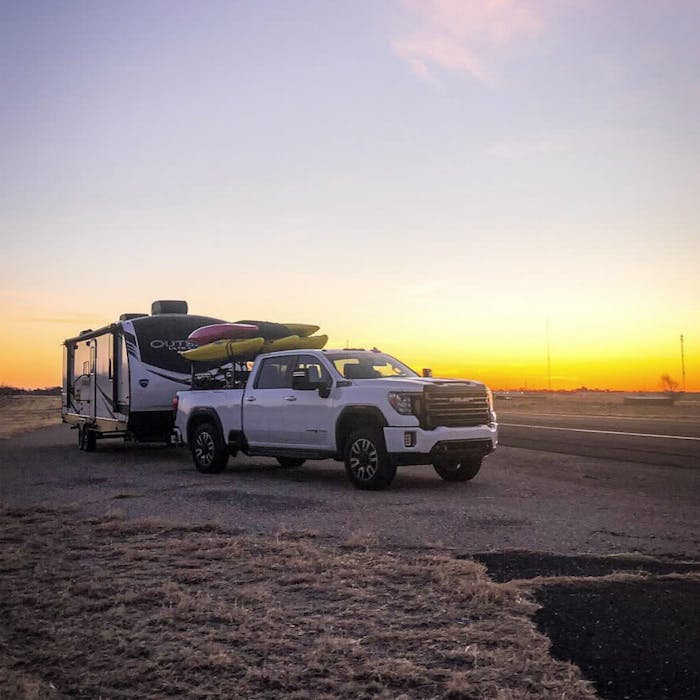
(368, 365)
(317, 371)
(275, 373)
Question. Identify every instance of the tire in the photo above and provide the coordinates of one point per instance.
(87, 439)
(209, 453)
(367, 462)
(464, 470)
(290, 462)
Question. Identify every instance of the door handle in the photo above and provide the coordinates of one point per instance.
(290, 398)
(250, 398)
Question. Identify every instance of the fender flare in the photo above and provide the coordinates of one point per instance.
(203, 414)
(353, 415)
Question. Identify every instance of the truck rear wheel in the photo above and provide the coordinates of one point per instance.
(208, 451)
(367, 462)
(458, 470)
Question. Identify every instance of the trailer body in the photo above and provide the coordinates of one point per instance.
(120, 380)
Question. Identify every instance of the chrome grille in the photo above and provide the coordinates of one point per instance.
(455, 406)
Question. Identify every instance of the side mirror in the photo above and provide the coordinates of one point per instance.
(427, 372)
(302, 382)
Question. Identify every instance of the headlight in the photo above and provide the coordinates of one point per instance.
(403, 403)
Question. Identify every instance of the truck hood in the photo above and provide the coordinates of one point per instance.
(414, 384)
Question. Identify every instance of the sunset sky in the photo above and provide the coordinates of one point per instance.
(444, 179)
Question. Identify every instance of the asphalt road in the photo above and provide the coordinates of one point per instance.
(521, 499)
(643, 440)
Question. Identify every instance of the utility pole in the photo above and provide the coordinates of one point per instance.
(682, 362)
(549, 361)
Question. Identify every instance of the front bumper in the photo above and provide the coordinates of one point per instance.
(430, 445)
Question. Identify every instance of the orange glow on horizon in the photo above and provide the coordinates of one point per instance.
(35, 362)
(504, 351)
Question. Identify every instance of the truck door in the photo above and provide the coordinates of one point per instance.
(265, 400)
(309, 418)
(275, 414)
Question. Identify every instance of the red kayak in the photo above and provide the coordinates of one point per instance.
(222, 331)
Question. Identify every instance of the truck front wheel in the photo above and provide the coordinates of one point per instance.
(367, 462)
(458, 470)
(208, 451)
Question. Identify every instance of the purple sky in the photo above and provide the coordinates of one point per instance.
(454, 162)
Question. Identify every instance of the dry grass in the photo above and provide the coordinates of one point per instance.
(19, 414)
(114, 608)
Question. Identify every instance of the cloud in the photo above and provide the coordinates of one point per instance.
(462, 36)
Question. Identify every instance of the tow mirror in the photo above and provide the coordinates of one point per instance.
(302, 382)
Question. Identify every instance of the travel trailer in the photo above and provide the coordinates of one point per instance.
(120, 380)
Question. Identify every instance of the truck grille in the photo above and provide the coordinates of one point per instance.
(455, 406)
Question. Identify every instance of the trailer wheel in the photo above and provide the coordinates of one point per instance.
(458, 470)
(87, 439)
(367, 462)
(208, 450)
(290, 462)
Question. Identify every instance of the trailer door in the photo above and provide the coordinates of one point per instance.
(93, 380)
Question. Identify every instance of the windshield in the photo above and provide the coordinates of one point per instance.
(368, 365)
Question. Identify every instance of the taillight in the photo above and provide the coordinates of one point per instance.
(175, 403)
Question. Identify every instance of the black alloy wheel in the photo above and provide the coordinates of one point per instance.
(209, 453)
(367, 462)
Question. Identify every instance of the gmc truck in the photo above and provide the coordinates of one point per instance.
(364, 408)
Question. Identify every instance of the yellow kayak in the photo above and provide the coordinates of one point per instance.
(290, 342)
(224, 350)
(314, 342)
(294, 342)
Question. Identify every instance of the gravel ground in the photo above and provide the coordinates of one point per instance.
(521, 499)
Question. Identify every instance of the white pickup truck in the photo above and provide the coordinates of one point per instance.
(362, 407)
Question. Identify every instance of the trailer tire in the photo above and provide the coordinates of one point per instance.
(87, 438)
(458, 470)
(290, 462)
(209, 453)
(367, 462)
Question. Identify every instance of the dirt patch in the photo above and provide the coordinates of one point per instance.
(19, 414)
(112, 608)
(634, 640)
(632, 624)
(510, 565)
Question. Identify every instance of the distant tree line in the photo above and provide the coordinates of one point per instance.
(46, 391)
